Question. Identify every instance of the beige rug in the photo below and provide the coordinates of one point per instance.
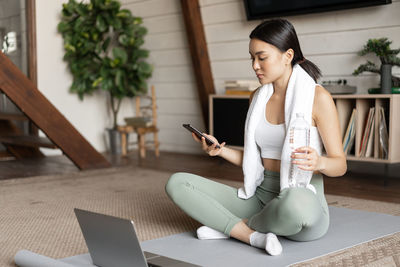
(37, 214)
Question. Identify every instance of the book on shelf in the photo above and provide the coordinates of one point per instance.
(349, 136)
(369, 151)
(364, 127)
(241, 85)
(383, 134)
(367, 130)
(376, 132)
(237, 92)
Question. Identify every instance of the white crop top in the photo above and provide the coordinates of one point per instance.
(270, 138)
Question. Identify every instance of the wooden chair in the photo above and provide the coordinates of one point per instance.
(143, 109)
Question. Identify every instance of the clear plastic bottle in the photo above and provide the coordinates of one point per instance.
(299, 137)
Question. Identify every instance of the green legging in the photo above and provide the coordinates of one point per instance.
(296, 213)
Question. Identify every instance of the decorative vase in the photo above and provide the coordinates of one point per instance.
(114, 137)
(386, 79)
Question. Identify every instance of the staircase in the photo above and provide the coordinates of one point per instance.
(35, 108)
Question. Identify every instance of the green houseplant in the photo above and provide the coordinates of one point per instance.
(381, 48)
(102, 45)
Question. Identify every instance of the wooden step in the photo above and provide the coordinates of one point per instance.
(27, 141)
(5, 155)
(13, 117)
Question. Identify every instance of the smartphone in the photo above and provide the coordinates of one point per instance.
(199, 134)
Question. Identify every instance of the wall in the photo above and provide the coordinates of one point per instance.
(90, 116)
(173, 76)
(330, 39)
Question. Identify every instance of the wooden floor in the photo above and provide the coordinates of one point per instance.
(352, 184)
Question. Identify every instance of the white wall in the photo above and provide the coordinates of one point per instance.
(331, 40)
(173, 76)
(89, 116)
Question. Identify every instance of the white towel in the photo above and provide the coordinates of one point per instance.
(299, 99)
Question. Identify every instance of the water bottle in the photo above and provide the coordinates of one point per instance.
(299, 134)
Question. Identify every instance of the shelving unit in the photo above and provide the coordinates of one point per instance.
(220, 105)
(362, 104)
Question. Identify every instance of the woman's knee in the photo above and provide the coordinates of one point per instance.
(173, 187)
(173, 182)
(300, 204)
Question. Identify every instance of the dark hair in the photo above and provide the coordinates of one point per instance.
(281, 34)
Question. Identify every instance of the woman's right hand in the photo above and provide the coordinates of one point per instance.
(210, 150)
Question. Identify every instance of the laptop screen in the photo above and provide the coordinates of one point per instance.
(111, 241)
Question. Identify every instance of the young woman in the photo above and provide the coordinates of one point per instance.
(257, 215)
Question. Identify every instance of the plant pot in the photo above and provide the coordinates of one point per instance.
(395, 90)
(386, 78)
(114, 137)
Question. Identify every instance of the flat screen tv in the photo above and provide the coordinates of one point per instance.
(259, 9)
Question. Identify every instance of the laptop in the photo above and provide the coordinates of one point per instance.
(113, 242)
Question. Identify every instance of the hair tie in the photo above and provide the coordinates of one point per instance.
(302, 61)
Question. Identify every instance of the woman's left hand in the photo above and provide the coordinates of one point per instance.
(306, 158)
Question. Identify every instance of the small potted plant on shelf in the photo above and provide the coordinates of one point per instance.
(102, 45)
(381, 48)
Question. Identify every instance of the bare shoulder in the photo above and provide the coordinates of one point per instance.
(322, 96)
(323, 103)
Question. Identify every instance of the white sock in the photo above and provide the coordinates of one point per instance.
(269, 242)
(257, 240)
(272, 245)
(205, 232)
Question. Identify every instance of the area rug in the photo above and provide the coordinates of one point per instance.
(37, 214)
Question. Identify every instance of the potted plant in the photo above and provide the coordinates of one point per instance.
(381, 48)
(102, 45)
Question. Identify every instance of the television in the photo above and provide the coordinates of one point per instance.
(259, 9)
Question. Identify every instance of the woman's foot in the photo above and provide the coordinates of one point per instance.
(205, 232)
(269, 242)
(272, 245)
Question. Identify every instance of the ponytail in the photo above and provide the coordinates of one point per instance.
(309, 67)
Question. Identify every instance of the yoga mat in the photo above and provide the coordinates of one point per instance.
(348, 228)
